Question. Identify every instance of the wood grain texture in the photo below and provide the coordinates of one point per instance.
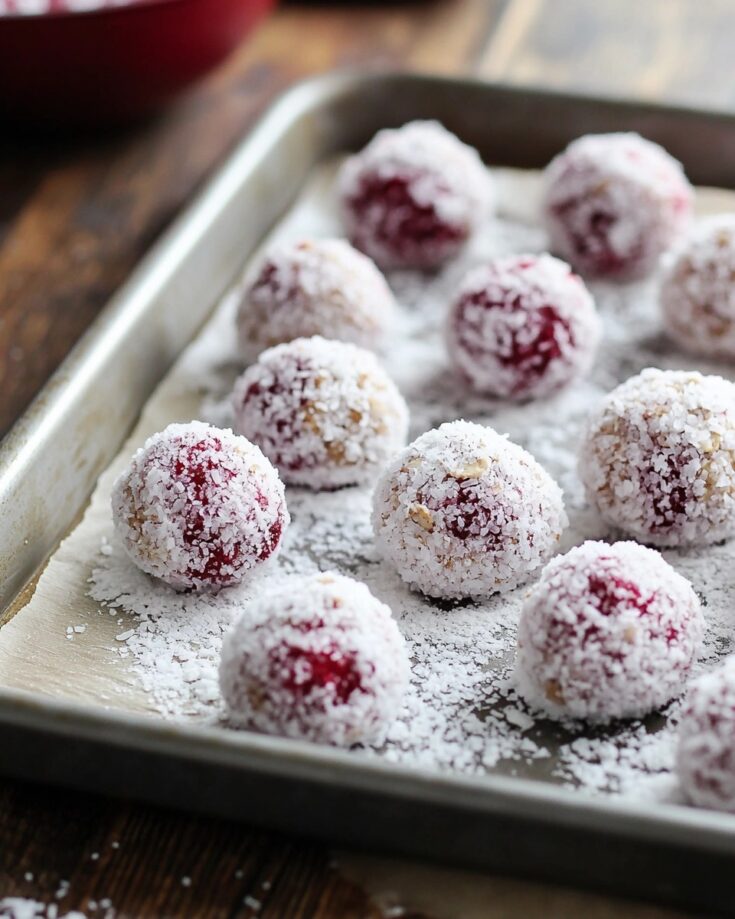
(76, 215)
(680, 50)
(101, 858)
(455, 894)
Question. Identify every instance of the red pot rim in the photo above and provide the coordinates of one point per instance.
(120, 8)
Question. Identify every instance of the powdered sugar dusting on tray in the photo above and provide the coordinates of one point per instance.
(461, 712)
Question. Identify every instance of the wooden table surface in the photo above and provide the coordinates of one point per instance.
(77, 214)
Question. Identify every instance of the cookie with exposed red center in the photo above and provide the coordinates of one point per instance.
(463, 512)
(656, 458)
(705, 760)
(324, 412)
(320, 659)
(522, 326)
(698, 290)
(199, 507)
(414, 196)
(614, 203)
(608, 631)
(314, 287)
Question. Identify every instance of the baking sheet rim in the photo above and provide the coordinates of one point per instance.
(522, 797)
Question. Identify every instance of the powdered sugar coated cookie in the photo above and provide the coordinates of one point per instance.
(463, 512)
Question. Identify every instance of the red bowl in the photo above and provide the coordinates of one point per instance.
(113, 62)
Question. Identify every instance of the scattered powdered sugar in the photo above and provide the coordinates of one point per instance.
(175, 646)
(461, 711)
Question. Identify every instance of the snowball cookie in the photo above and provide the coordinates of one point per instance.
(463, 512)
(324, 412)
(314, 287)
(199, 507)
(413, 196)
(608, 631)
(614, 203)
(705, 760)
(522, 326)
(657, 458)
(698, 290)
(319, 659)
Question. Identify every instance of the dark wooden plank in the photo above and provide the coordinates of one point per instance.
(94, 855)
(674, 49)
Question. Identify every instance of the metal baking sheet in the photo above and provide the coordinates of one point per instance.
(511, 825)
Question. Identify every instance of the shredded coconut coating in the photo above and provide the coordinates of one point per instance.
(657, 458)
(522, 327)
(324, 412)
(462, 715)
(614, 203)
(314, 287)
(698, 290)
(321, 659)
(413, 196)
(199, 507)
(705, 757)
(463, 512)
(608, 631)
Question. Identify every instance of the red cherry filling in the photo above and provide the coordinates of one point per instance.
(203, 470)
(195, 469)
(530, 348)
(404, 226)
(469, 512)
(303, 672)
(195, 463)
(589, 229)
(270, 281)
(612, 596)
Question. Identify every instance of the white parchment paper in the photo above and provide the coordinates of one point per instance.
(98, 630)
